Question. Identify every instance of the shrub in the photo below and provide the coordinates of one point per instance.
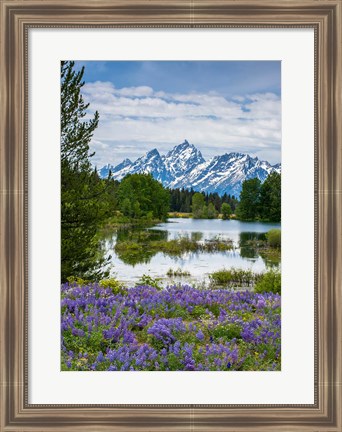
(77, 280)
(116, 286)
(149, 281)
(233, 277)
(274, 238)
(269, 282)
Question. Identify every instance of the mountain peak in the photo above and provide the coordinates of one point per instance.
(153, 152)
(185, 144)
(184, 167)
(185, 148)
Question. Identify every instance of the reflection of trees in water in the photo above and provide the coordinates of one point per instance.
(248, 244)
(137, 256)
(248, 252)
(253, 245)
(196, 236)
(251, 236)
(140, 235)
(271, 261)
(132, 245)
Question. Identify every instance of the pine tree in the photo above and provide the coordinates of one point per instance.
(82, 204)
(249, 205)
(75, 132)
(270, 198)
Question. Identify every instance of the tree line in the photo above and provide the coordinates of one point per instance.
(260, 201)
(181, 200)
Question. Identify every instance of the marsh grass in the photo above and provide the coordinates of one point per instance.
(173, 247)
(177, 272)
(234, 278)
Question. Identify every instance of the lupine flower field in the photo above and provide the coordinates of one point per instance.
(179, 328)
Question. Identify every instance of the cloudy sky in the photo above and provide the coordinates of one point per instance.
(220, 107)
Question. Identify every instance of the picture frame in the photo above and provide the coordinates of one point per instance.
(16, 18)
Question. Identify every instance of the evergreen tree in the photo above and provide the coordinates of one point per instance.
(270, 198)
(248, 208)
(75, 132)
(82, 205)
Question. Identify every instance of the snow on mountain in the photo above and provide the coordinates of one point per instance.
(104, 171)
(182, 159)
(185, 167)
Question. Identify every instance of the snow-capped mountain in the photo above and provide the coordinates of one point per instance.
(104, 171)
(185, 167)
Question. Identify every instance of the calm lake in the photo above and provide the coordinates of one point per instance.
(129, 267)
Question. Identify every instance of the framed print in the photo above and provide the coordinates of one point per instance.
(170, 217)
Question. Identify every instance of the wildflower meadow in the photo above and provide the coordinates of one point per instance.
(178, 328)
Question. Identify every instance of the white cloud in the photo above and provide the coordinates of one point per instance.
(135, 119)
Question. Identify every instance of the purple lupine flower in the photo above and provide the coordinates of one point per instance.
(200, 335)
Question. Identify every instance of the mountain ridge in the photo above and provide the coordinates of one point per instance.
(184, 167)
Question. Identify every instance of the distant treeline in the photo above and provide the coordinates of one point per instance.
(181, 200)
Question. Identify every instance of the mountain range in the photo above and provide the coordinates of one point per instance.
(185, 167)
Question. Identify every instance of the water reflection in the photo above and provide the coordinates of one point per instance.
(136, 251)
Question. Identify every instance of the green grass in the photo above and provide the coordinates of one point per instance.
(269, 282)
(234, 277)
(177, 272)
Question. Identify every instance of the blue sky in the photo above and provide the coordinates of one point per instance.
(219, 106)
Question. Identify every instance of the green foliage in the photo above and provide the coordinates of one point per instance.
(212, 212)
(82, 191)
(261, 201)
(270, 198)
(234, 277)
(140, 195)
(181, 200)
(149, 281)
(126, 207)
(248, 208)
(198, 311)
(274, 238)
(112, 283)
(269, 282)
(77, 280)
(198, 205)
(177, 273)
(75, 132)
(138, 250)
(226, 211)
(227, 331)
